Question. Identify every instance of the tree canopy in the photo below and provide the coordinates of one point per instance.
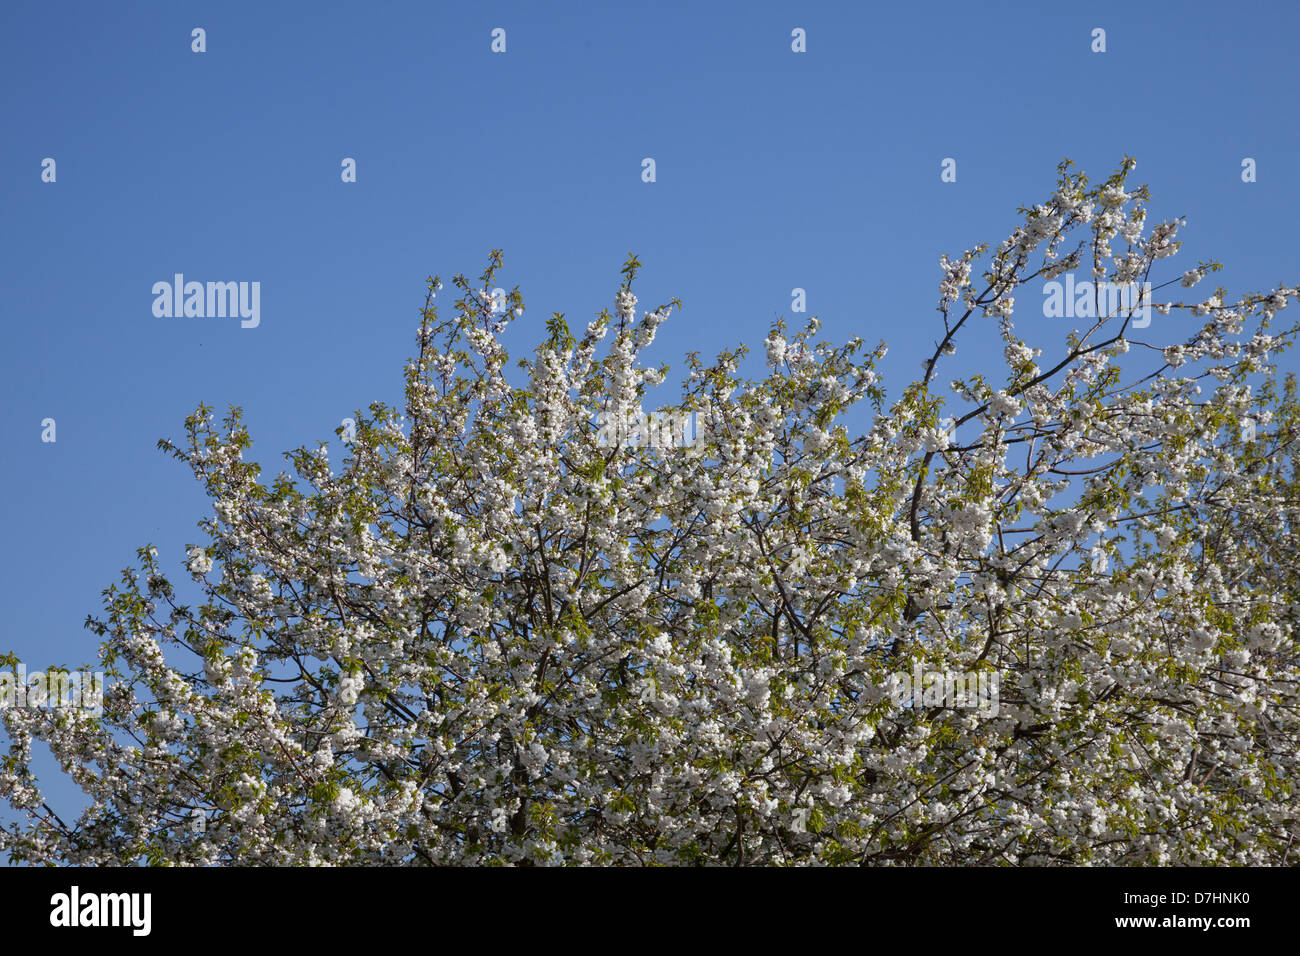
(505, 631)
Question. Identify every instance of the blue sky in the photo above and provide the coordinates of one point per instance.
(775, 170)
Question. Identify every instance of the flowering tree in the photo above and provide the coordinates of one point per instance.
(495, 635)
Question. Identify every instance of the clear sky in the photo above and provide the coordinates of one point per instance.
(775, 170)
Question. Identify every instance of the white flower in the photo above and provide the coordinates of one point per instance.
(199, 564)
(775, 349)
(350, 686)
(626, 304)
